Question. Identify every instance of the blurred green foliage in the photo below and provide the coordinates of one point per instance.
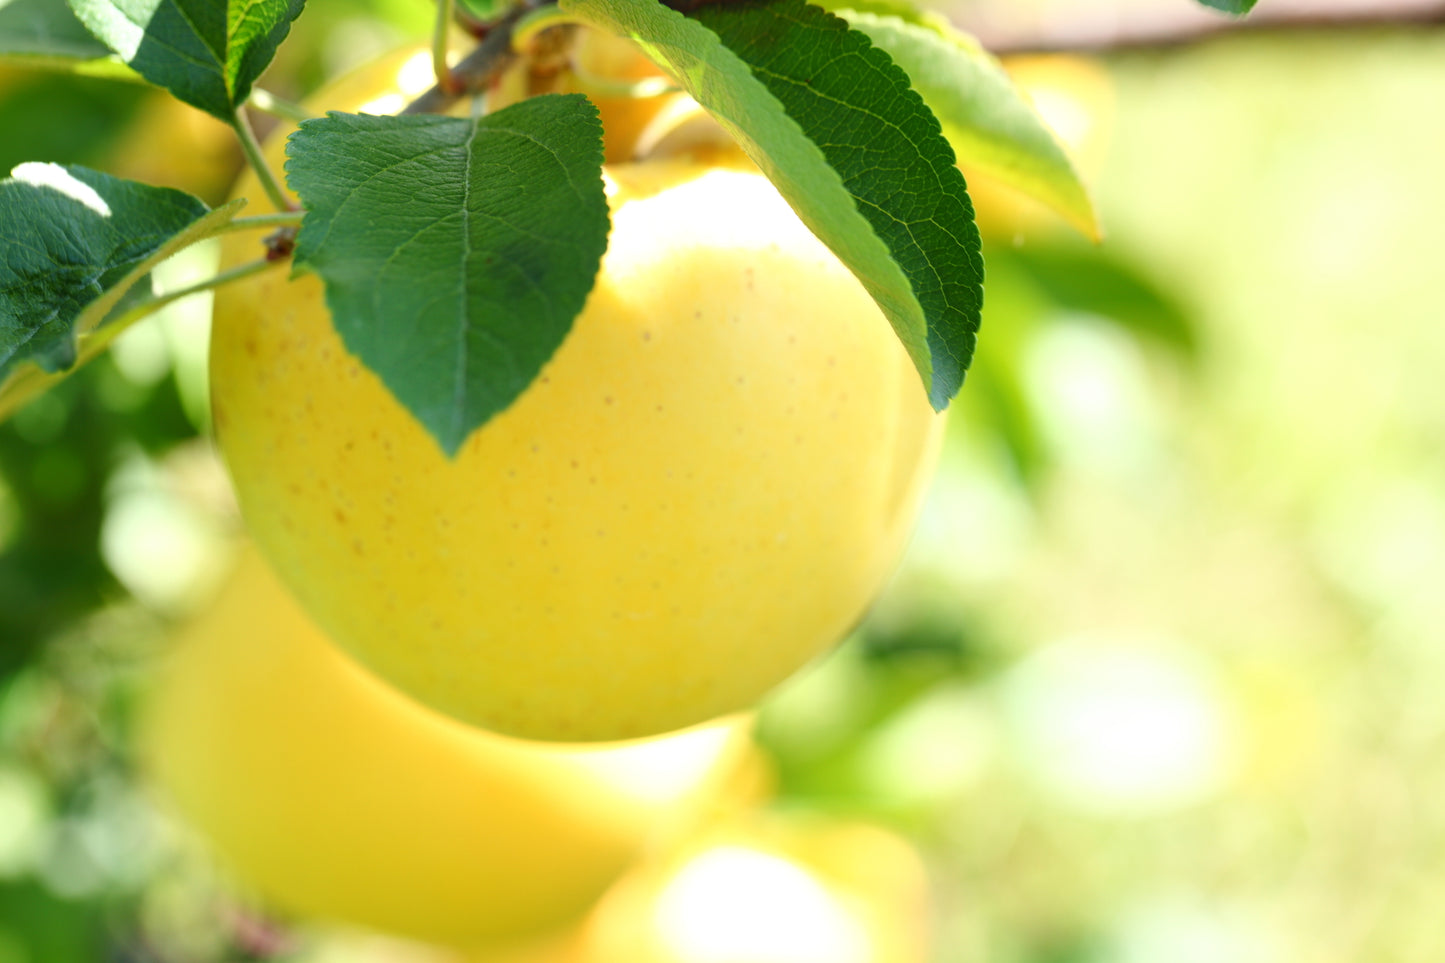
(30, 102)
(56, 456)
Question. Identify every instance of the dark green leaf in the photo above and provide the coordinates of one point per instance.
(74, 243)
(836, 127)
(990, 123)
(456, 253)
(1238, 7)
(206, 52)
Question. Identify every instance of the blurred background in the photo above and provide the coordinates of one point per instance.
(1159, 678)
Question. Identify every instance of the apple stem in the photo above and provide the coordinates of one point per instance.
(269, 103)
(599, 86)
(241, 123)
(446, 10)
(224, 277)
(280, 219)
(535, 21)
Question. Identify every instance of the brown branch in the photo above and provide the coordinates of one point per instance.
(1100, 26)
(474, 72)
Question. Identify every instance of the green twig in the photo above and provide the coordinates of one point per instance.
(440, 33)
(30, 380)
(536, 20)
(151, 305)
(280, 219)
(475, 71)
(599, 86)
(269, 103)
(252, 148)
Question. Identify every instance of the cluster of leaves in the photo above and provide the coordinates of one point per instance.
(856, 113)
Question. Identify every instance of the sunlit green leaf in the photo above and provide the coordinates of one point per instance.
(456, 253)
(986, 118)
(835, 126)
(75, 243)
(206, 52)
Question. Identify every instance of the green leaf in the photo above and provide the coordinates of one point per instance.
(455, 253)
(835, 126)
(75, 242)
(44, 33)
(205, 52)
(1237, 7)
(485, 10)
(990, 123)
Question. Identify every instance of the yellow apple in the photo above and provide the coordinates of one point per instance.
(703, 490)
(757, 891)
(335, 797)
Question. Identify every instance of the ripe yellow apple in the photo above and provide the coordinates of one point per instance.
(704, 489)
(757, 891)
(335, 797)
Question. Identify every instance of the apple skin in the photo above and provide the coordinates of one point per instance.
(704, 489)
(335, 798)
(760, 888)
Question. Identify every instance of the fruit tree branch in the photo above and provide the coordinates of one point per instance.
(477, 69)
(1114, 26)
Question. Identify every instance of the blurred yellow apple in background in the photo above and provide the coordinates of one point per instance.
(337, 798)
(705, 488)
(758, 890)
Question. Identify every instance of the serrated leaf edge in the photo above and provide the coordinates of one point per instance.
(1084, 217)
(91, 332)
(916, 338)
